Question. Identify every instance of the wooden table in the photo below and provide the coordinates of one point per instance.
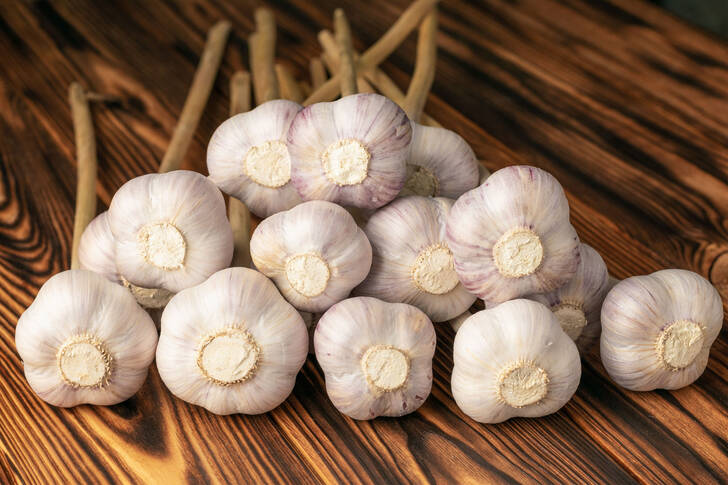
(625, 104)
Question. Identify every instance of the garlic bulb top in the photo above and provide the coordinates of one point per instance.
(170, 230)
(513, 360)
(376, 357)
(315, 253)
(578, 304)
(248, 157)
(411, 261)
(96, 249)
(85, 340)
(511, 236)
(231, 344)
(351, 151)
(657, 329)
(439, 163)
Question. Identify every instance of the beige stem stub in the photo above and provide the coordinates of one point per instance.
(162, 245)
(386, 368)
(522, 383)
(571, 317)
(308, 274)
(148, 297)
(346, 162)
(228, 356)
(84, 361)
(268, 164)
(679, 344)
(518, 253)
(420, 181)
(434, 270)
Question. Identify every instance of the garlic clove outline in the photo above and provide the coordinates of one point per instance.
(171, 230)
(315, 253)
(248, 158)
(411, 261)
(513, 361)
(376, 357)
(231, 344)
(511, 236)
(84, 340)
(351, 151)
(657, 329)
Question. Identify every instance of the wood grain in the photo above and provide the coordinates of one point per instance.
(626, 105)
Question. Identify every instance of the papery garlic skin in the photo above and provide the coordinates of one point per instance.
(351, 151)
(85, 340)
(578, 304)
(96, 249)
(440, 163)
(170, 230)
(231, 344)
(411, 262)
(511, 236)
(376, 357)
(315, 253)
(248, 157)
(513, 360)
(657, 329)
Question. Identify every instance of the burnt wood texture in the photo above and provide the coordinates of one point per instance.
(625, 104)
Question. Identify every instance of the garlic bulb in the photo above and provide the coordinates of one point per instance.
(170, 230)
(231, 344)
(411, 261)
(439, 163)
(248, 158)
(351, 151)
(376, 357)
(657, 329)
(315, 253)
(513, 360)
(578, 304)
(511, 236)
(458, 321)
(85, 340)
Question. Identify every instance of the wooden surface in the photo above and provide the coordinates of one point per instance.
(625, 104)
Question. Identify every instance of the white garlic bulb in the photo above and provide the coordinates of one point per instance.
(85, 340)
(657, 329)
(170, 230)
(231, 344)
(351, 151)
(376, 357)
(411, 262)
(439, 163)
(513, 360)
(511, 236)
(315, 253)
(248, 157)
(578, 304)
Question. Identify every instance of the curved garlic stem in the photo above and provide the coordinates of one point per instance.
(262, 45)
(318, 72)
(331, 59)
(86, 166)
(197, 96)
(290, 89)
(347, 69)
(458, 321)
(483, 172)
(391, 39)
(425, 62)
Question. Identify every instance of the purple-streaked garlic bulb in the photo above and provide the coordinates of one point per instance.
(513, 360)
(511, 236)
(352, 151)
(411, 261)
(439, 164)
(376, 357)
(170, 230)
(248, 158)
(84, 340)
(231, 344)
(578, 304)
(315, 253)
(657, 329)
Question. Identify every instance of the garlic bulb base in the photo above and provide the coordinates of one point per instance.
(346, 162)
(268, 164)
(571, 317)
(161, 244)
(308, 274)
(228, 356)
(385, 367)
(84, 361)
(434, 271)
(518, 253)
(420, 181)
(679, 344)
(522, 383)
